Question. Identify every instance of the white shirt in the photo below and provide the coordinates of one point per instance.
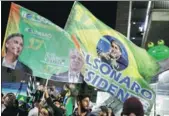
(2, 107)
(12, 65)
(73, 77)
(55, 92)
(33, 112)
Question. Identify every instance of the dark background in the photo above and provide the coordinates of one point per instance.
(58, 11)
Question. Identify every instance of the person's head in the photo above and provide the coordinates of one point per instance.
(14, 44)
(41, 87)
(74, 92)
(132, 107)
(2, 95)
(83, 101)
(115, 50)
(110, 111)
(53, 87)
(2, 99)
(23, 105)
(50, 111)
(9, 100)
(66, 86)
(36, 104)
(16, 104)
(62, 107)
(57, 103)
(72, 86)
(104, 111)
(76, 61)
(44, 112)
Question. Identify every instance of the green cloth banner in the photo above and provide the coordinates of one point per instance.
(113, 63)
(45, 45)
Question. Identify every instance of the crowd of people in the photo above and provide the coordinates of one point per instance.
(39, 107)
(49, 102)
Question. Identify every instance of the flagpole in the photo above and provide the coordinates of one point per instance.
(33, 82)
(129, 20)
(155, 100)
(20, 88)
(46, 84)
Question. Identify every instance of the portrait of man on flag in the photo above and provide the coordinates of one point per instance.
(73, 75)
(111, 51)
(14, 45)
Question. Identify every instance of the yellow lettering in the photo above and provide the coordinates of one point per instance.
(51, 69)
(35, 44)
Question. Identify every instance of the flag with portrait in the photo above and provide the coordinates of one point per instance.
(112, 63)
(34, 44)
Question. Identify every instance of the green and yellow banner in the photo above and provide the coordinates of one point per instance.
(45, 46)
(113, 63)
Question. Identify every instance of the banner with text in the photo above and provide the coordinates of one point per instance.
(34, 44)
(112, 63)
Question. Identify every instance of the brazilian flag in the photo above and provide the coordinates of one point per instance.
(98, 42)
(22, 98)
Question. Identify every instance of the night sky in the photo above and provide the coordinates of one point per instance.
(58, 11)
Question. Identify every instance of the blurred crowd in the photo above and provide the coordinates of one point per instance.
(50, 102)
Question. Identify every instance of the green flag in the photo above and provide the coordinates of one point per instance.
(22, 98)
(45, 46)
(113, 63)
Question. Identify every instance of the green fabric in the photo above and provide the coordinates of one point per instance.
(139, 69)
(69, 106)
(46, 46)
